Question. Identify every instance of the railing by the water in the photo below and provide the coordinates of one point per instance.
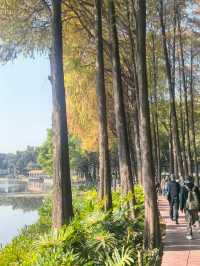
(8, 185)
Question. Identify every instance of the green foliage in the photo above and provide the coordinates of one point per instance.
(45, 154)
(45, 213)
(93, 238)
(25, 28)
(80, 160)
(121, 258)
(22, 160)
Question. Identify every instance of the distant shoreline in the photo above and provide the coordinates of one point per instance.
(24, 195)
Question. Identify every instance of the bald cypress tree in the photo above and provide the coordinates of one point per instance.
(62, 195)
(121, 123)
(104, 163)
(175, 130)
(151, 235)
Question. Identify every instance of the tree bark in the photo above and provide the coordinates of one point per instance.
(104, 161)
(136, 135)
(153, 134)
(136, 128)
(155, 113)
(135, 97)
(182, 124)
(172, 94)
(171, 148)
(131, 138)
(121, 123)
(185, 99)
(62, 195)
(151, 235)
(193, 117)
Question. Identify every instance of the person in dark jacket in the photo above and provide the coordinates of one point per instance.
(173, 198)
(165, 190)
(190, 204)
(158, 188)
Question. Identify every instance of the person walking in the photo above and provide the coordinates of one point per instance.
(190, 204)
(165, 186)
(158, 188)
(173, 198)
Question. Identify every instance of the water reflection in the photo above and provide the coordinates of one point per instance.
(25, 204)
(12, 186)
(38, 185)
(15, 213)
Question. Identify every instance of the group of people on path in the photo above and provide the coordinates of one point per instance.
(184, 197)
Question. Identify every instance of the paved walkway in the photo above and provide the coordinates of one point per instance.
(178, 251)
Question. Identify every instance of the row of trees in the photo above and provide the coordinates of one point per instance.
(62, 186)
(63, 210)
(179, 60)
(22, 161)
(145, 60)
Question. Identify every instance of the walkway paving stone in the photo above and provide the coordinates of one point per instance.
(178, 251)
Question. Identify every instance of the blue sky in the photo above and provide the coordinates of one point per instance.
(25, 103)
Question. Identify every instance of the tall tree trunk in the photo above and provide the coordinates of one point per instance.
(172, 94)
(135, 97)
(152, 235)
(104, 161)
(131, 138)
(173, 76)
(154, 136)
(62, 195)
(171, 148)
(155, 96)
(121, 124)
(158, 149)
(182, 124)
(185, 99)
(175, 160)
(136, 128)
(193, 118)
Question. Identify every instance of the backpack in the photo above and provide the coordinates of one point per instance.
(192, 202)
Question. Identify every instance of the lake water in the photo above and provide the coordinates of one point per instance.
(16, 213)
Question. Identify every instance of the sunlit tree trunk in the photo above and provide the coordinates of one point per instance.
(137, 139)
(171, 153)
(193, 117)
(121, 123)
(182, 123)
(153, 133)
(172, 95)
(155, 113)
(62, 195)
(135, 101)
(104, 162)
(151, 235)
(185, 99)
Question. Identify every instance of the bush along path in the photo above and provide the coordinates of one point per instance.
(93, 238)
(178, 251)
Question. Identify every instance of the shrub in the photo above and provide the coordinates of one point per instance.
(94, 238)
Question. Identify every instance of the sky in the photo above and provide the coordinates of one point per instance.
(25, 103)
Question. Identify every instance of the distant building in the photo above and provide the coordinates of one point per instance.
(36, 174)
(32, 166)
(39, 181)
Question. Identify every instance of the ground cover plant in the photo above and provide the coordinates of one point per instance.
(93, 238)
